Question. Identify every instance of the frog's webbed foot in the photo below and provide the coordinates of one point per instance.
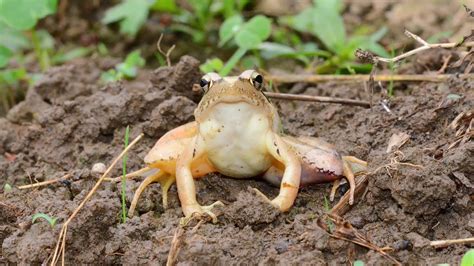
(165, 180)
(351, 164)
(276, 202)
(199, 212)
(263, 197)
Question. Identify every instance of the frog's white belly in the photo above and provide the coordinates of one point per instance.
(234, 137)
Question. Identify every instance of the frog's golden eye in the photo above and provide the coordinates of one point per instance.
(257, 80)
(205, 83)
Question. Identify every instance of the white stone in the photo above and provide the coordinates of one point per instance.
(98, 168)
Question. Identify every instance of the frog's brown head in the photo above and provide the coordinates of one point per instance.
(246, 88)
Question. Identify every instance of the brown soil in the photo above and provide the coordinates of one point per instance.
(70, 121)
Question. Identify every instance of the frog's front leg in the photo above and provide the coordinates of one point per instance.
(290, 182)
(185, 182)
(161, 161)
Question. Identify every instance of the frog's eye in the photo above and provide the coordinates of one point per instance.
(205, 83)
(257, 80)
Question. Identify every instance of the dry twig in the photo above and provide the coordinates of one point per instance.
(296, 78)
(445, 64)
(47, 182)
(299, 97)
(167, 53)
(60, 249)
(463, 124)
(175, 245)
(364, 55)
(343, 229)
(445, 243)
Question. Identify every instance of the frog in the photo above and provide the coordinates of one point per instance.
(238, 133)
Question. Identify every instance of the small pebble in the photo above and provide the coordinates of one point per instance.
(98, 168)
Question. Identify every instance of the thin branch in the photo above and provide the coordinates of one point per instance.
(168, 53)
(175, 246)
(424, 46)
(310, 98)
(61, 244)
(416, 38)
(47, 182)
(444, 243)
(292, 78)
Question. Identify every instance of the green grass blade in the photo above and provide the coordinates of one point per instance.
(124, 173)
(50, 220)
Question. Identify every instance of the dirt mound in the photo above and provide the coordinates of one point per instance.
(70, 121)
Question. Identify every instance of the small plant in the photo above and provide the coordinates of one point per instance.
(131, 14)
(124, 179)
(246, 35)
(391, 66)
(22, 15)
(325, 22)
(50, 220)
(204, 17)
(358, 263)
(128, 69)
(7, 187)
(468, 258)
(329, 222)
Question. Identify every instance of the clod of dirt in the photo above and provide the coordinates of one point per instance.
(179, 77)
(170, 114)
(422, 192)
(250, 209)
(68, 82)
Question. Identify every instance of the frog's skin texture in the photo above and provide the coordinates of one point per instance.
(237, 133)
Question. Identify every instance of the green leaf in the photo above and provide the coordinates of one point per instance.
(453, 96)
(212, 65)
(132, 14)
(13, 39)
(250, 62)
(12, 76)
(324, 21)
(51, 221)
(468, 258)
(254, 32)
(23, 14)
(102, 49)
(7, 187)
(165, 6)
(110, 76)
(128, 71)
(124, 179)
(5, 55)
(46, 41)
(358, 263)
(271, 50)
(60, 58)
(378, 35)
(135, 59)
(229, 28)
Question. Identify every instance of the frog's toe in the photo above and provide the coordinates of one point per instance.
(262, 196)
(277, 202)
(200, 212)
(165, 181)
(335, 186)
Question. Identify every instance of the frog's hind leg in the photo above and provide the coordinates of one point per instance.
(322, 163)
(351, 165)
(154, 175)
